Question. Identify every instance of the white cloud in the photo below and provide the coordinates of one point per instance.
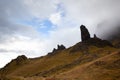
(55, 18)
(41, 8)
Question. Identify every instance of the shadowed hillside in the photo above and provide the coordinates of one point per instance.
(91, 59)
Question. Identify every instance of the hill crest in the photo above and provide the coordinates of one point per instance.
(62, 60)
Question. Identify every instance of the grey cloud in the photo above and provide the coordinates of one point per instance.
(14, 51)
(94, 12)
(7, 51)
(10, 10)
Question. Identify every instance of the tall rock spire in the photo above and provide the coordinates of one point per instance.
(85, 35)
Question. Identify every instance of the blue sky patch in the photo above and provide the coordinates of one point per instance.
(45, 26)
(41, 26)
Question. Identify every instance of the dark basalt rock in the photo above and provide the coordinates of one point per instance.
(54, 50)
(95, 36)
(59, 48)
(98, 42)
(85, 35)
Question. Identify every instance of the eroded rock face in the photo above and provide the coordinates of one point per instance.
(59, 48)
(85, 35)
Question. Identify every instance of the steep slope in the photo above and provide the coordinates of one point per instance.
(59, 62)
(86, 60)
(104, 68)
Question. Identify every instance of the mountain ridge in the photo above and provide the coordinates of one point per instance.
(58, 63)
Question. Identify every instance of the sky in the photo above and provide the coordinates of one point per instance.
(34, 27)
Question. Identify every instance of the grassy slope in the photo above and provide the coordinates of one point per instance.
(35, 66)
(104, 68)
(44, 64)
(64, 63)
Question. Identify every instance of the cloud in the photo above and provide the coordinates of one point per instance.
(93, 12)
(15, 36)
(55, 18)
(40, 8)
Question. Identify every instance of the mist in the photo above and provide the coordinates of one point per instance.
(101, 17)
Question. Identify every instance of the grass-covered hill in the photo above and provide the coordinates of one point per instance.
(92, 59)
(84, 63)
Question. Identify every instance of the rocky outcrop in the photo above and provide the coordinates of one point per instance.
(59, 48)
(95, 36)
(85, 35)
(98, 42)
(20, 59)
